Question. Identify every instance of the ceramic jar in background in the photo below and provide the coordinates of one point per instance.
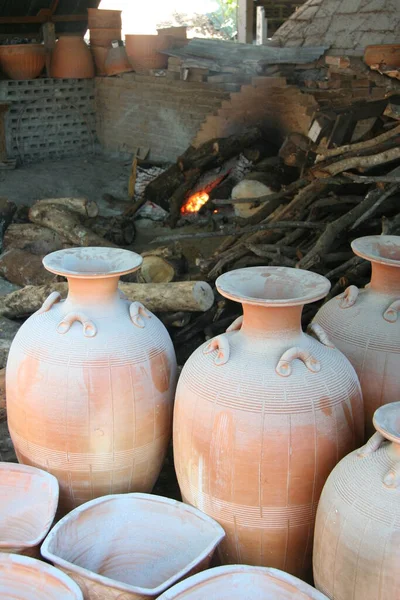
(98, 18)
(22, 61)
(357, 531)
(365, 324)
(71, 58)
(117, 60)
(144, 51)
(262, 415)
(90, 382)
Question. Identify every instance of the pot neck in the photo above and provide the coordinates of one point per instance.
(385, 279)
(96, 293)
(269, 321)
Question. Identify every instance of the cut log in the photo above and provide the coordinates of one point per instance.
(33, 238)
(23, 268)
(191, 296)
(357, 162)
(295, 150)
(7, 211)
(67, 224)
(180, 195)
(162, 187)
(3, 406)
(82, 206)
(162, 265)
(380, 139)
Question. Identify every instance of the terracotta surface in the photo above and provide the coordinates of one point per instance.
(117, 61)
(357, 533)
(23, 578)
(100, 18)
(28, 501)
(240, 582)
(24, 61)
(71, 58)
(104, 37)
(90, 382)
(99, 54)
(262, 415)
(143, 51)
(365, 326)
(389, 54)
(131, 546)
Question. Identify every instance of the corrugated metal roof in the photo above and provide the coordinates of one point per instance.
(23, 8)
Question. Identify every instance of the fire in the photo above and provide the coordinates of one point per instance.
(195, 202)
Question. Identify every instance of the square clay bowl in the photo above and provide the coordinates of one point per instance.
(133, 546)
(28, 504)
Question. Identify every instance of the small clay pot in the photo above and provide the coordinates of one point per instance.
(132, 546)
(117, 61)
(389, 54)
(71, 58)
(99, 54)
(104, 37)
(238, 582)
(23, 61)
(28, 499)
(104, 19)
(144, 51)
(25, 578)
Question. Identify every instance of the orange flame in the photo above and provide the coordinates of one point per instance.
(195, 202)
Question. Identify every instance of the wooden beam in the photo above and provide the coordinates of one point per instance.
(245, 21)
(261, 34)
(42, 18)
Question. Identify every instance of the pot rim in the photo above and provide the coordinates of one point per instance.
(383, 420)
(366, 247)
(227, 570)
(119, 585)
(125, 261)
(311, 286)
(26, 561)
(53, 494)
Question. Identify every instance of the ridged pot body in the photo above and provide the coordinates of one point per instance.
(100, 18)
(24, 61)
(71, 58)
(144, 51)
(357, 532)
(255, 437)
(89, 392)
(365, 326)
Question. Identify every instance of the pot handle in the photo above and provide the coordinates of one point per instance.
(236, 325)
(391, 313)
(320, 334)
(49, 302)
(221, 344)
(349, 296)
(392, 477)
(137, 311)
(89, 328)
(284, 366)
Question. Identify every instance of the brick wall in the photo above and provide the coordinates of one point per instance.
(155, 112)
(48, 118)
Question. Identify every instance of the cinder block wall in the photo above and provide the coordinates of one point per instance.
(49, 118)
(155, 112)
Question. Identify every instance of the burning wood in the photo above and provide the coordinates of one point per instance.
(195, 202)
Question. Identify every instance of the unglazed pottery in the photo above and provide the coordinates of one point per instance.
(99, 18)
(240, 582)
(365, 325)
(117, 61)
(22, 61)
(144, 51)
(71, 58)
(99, 54)
(28, 504)
(131, 546)
(104, 37)
(357, 531)
(262, 415)
(23, 578)
(90, 382)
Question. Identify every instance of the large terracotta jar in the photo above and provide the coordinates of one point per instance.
(22, 61)
(90, 382)
(364, 324)
(262, 415)
(357, 531)
(71, 58)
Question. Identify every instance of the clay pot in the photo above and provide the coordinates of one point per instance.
(357, 532)
(144, 51)
(179, 33)
(364, 324)
(238, 582)
(389, 54)
(90, 382)
(262, 415)
(144, 544)
(104, 37)
(99, 54)
(25, 578)
(104, 19)
(23, 61)
(71, 58)
(117, 61)
(28, 499)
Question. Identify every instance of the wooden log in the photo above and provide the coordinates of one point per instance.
(162, 265)
(7, 211)
(162, 187)
(295, 150)
(3, 406)
(23, 268)
(357, 162)
(82, 206)
(180, 195)
(324, 153)
(191, 296)
(66, 223)
(33, 238)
